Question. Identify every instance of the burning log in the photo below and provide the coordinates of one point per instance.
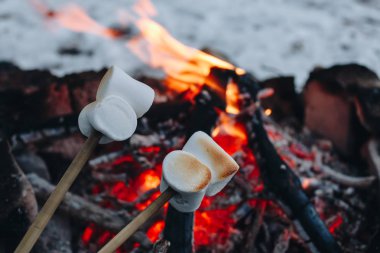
(18, 205)
(280, 180)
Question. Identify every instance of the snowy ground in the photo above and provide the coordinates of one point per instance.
(267, 37)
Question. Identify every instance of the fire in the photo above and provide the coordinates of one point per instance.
(229, 134)
(186, 68)
(232, 98)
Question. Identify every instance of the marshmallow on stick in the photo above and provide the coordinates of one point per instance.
(120, 100)
(201, 168)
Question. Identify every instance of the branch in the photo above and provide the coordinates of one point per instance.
(280, 180)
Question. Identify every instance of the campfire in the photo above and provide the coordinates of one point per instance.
(293, 193)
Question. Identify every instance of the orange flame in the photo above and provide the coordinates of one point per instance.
(232, 98)
(186, 68)
(229, 134)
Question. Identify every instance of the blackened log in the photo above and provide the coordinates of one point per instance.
(203, 115)
(286, 186)
(179, 231)
(18, 205)
(281, 181)
(83, 210)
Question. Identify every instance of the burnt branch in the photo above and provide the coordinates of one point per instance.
(179, 231)
(281, 181)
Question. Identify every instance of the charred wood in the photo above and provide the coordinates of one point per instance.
(281, 181)
(179, 231)
(18, 205)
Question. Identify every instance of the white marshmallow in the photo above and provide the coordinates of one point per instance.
(184, 173)
(116, 82)
(221, 164)
(120, 100)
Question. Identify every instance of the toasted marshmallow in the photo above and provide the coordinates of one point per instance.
(221, 164)
(190, 178)
(120, 100)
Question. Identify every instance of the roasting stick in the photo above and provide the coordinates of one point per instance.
(138, 221)
(120, 100)
(201, 168)
(58, 194)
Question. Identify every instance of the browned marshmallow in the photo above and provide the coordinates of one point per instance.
(221, 164)
(184, 173)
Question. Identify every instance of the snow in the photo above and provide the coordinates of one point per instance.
(266, 37)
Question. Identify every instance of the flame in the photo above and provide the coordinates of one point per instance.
(186, 68)
(229, 134)
(232, 98)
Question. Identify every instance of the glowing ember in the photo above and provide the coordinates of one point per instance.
(336, 223)
(213, 227)
(268, 112)
(147, 180)
(154, 231)
(87, 234)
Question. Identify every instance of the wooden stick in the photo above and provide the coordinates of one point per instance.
(57, 195)
(136, 223)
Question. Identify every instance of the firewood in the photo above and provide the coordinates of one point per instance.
(350, 181)
(179, 231)
(18, 205)
(280, 180)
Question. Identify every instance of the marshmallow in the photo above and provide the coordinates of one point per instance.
(190, 178)
(221, 164)
(120, 100)
(117, 82)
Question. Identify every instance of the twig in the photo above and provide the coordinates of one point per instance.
(250, 247)
(356, 182)
(350, 181)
